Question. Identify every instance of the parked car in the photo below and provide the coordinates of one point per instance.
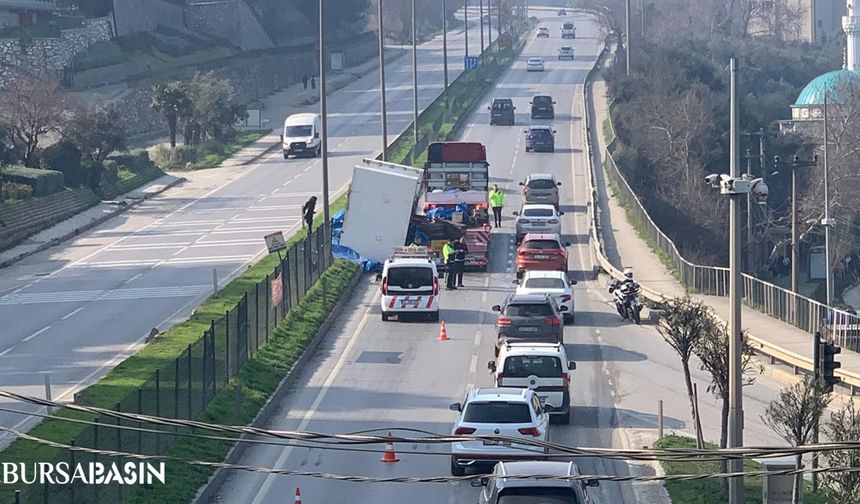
(501, 489)
(534, 218)
(502, 111)
(543, 107)
(511, 412)
(565, 52)
(528, 318)
(543, 252)
(556, 283)
(534, 65)
(540, 188)
(540, 139)
(543, 32)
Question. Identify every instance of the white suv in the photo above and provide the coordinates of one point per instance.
(509, 412)
(555, 283)
(541, 367)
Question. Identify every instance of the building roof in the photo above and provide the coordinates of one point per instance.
(831, 83)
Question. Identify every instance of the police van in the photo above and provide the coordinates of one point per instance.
(410, 284)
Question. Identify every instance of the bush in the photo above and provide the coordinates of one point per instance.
(111, 171)
(136, 160)
(65, 157)
(16, 191)
(174, 158)
(43, 182)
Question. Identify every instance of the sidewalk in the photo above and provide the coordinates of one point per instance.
(624, 248)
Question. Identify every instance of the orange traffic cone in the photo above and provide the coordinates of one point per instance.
(298, 496)
(443, 332)
(389, 455)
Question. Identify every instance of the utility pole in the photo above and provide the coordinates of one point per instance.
(642, 17)
(481, 13)
(736, 412)
(382, 82)
(414, 84)
(324, 117)
(445, 46)
(466, 23)
(749, 247)
(490, 23)
(627, 33)
(826, 222)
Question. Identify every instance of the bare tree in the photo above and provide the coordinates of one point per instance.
(32, 106)
(683, 324)
(793, 416)
(842, 487)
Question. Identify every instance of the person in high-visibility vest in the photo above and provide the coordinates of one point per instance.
(448, 258)
(497, 201)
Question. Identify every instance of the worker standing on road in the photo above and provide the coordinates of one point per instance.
(308, 212)
(313, 82)
(497, 201)
(448, 258)
(305, 81)
(460, 251)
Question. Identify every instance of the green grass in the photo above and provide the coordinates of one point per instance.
(219, 154)
(707, 491)
(125, 174)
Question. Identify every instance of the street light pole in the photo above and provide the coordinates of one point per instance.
(414, 85)
(466, 23)
(324, 119)
(826, 221)
(382, 82)
(627, 33)
(445, 47)
(749, 247)
(481, 13)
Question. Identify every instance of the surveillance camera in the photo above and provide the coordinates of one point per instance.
(759, 189)
(712, 180)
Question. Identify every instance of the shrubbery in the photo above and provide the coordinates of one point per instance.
(65, 157)
(14, 191)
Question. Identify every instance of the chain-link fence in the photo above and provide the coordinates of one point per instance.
(184, 388)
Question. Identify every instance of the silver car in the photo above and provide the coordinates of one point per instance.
(534, 218)
(541, 188)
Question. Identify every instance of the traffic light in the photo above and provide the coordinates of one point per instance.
(829, 364)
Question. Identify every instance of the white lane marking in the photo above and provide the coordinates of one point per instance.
(4, 352)
(40, 331)
(132, 279)
(344, 356)
(183, 249)
(70, 315)
(473, 364)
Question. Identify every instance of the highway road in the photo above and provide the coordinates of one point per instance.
(77, 310)
(396, 375)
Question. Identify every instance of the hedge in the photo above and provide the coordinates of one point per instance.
(43, 182)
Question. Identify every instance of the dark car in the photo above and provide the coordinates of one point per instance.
(540, 139)
(529, 318)
(502, 111)
(543, 107)
(505, 487)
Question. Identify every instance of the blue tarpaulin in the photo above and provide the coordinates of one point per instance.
(339, 251)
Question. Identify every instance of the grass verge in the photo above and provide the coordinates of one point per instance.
(707, 491)
(217, 154)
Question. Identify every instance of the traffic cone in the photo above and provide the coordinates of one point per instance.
(443, 332)
(389, 455)
(298, 496)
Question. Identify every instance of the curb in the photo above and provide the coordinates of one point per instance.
(206, 493)
(101, 220)
(256, 157)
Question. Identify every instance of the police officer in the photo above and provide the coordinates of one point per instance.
(460, 251)
(497, 201)
(448, 257)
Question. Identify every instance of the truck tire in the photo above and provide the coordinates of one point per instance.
(457, 469)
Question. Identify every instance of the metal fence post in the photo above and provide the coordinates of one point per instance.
(140, 424)
(18, 496)
(268, 286)
(176, 393)
(214, 371)
(118, 408)
(204, 383)
(238, 339)
(95, 456)
(244, 329)
(157, 409)
(285, 288)
(190, 384)
(227, 346)
(324, 282)
(256, 316)
(72, 466)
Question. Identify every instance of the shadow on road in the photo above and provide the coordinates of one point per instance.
(587, 352)
(590, 417)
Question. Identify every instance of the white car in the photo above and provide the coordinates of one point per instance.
(534, 65)
(555, 283)
(543, 32)
(565, 52)
(534, 218)
(509, 412)
(409, 284)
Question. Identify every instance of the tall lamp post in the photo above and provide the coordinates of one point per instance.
(414, 85)
(324, 117)
(481, 13)
(382, 82)
(466, 24)
(444, 46)
(827, 222)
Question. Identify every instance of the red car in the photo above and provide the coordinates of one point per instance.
(541, 252)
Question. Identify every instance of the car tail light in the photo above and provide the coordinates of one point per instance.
(552, 321)
(464, 431)
(565, 298)
(566, 378)
(522, 252)
(505, 321)
(384, 286)
(524, 221)
(436, 286)
(529, 431)
(552, 221)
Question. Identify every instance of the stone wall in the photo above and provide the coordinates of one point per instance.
(134, 16)
(233, 20)
(51, 53)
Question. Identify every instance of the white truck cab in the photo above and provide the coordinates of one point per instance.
(301, 135)
(568, 30)
(410, 284)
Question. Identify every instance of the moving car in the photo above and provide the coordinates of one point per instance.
(568, 30)
(542, 367)
(540, 139)
(510, 412)
(543, 107)
(565, 52)
(534, 65)
(562, 12)
(409, 284)
(528, 318)
(502, 111)
(543, 32)
(540, 188)
(502, 489)
(556, 283)
(301, 135)
(541, 252)
(534, 218)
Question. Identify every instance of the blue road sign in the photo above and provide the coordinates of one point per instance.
(470, 62)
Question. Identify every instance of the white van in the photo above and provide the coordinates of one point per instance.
(410, 284)
(568, 30)
(301, 136)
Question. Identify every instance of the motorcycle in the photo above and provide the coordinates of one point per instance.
(626, 300)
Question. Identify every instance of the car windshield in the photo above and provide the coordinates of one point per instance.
(522, 366)
(502, 105)
(541, 244)
(542, 100)
(299, 131)
(568, 26)
(535, 60)
(497, 412)
(537, 495)
(541, 184)
(545, 283)
(529, 310)
(410, 277)
(540, 133)
(538, 212)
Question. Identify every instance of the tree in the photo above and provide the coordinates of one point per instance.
(794, 414)
(32, 106)
(172, 101)
(843, 426)
(212, 110)
(683, 324)
(98, 131)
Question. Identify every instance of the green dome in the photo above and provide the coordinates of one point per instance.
(831, 82)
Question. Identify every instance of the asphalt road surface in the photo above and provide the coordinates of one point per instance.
(77, 310)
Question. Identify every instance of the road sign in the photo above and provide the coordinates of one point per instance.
(470, 62)
(275, 242)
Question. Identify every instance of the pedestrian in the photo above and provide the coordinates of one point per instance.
(305, 82)
(313, 82)
(497, 201)
(448, 258)
(460, 251)
(308, 212)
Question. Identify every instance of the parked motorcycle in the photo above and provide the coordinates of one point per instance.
(627, 300)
